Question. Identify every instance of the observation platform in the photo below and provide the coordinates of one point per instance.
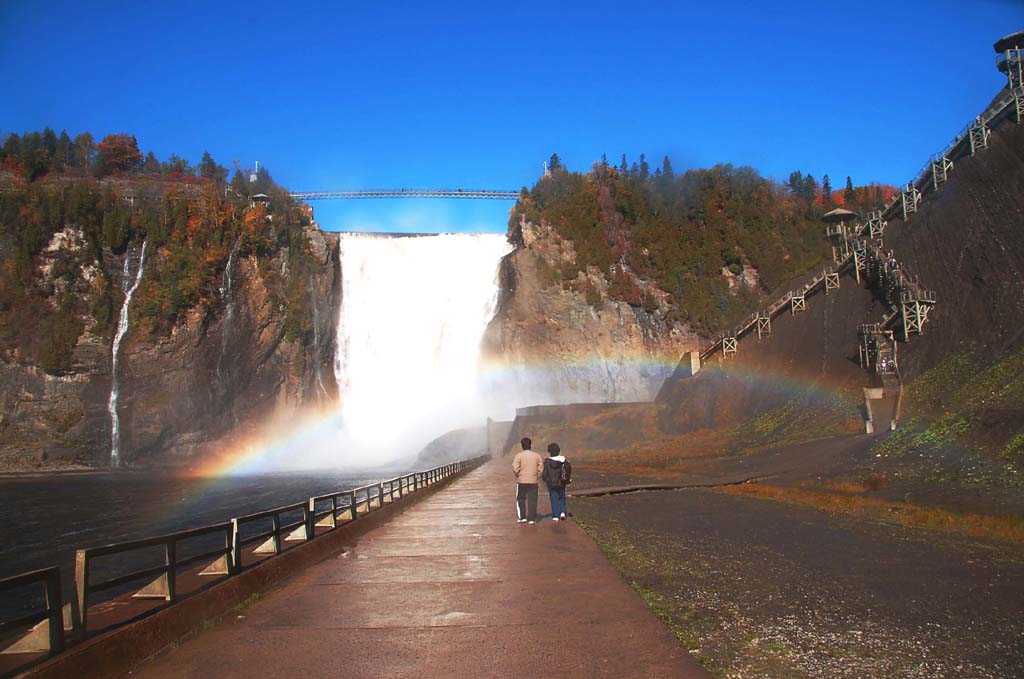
(451, 587)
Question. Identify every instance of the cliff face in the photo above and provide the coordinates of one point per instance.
(223, 366)
(557, 346)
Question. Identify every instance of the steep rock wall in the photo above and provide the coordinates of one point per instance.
(556, 346)
(221, 369)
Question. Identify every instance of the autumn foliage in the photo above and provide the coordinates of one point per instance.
(645, 231)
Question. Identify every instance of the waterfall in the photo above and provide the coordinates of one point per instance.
(317, 354)
(412, 317)
(229, 307)
(122, 329)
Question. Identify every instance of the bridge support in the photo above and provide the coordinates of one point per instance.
(941, 165)
(911, 198)
(831, 282)
(876, 225)
(764, 326)
(914, 308)
(979, 134)
(797, 303)
(729, 346)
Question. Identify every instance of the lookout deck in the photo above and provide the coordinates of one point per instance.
(452, 586)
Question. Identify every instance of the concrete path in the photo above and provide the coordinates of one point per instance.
(453, 587)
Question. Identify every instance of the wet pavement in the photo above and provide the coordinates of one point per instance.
(452, 587)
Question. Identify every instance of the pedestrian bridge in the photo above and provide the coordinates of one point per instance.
(477, 194)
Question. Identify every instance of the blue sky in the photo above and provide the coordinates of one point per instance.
(368, 95)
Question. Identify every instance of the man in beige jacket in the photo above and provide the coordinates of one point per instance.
(527, 466)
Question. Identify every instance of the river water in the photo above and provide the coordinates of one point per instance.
(44, 519)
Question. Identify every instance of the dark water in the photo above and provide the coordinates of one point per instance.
(44, 519)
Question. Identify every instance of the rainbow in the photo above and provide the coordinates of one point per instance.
(319, 434)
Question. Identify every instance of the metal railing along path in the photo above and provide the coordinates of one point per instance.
(221, 550)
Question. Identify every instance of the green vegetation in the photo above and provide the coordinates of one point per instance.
(969, 402)
(677, 232)
(68, 208)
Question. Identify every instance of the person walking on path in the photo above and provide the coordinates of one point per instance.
(557, 475)
(527, 466)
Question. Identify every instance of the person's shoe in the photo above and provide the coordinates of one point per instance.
(521, 521)
(562, 517)
(554, 518)
(532, 522)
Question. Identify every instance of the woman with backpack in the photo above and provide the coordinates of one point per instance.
(557, 474)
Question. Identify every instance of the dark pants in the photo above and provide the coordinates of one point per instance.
(526, 501)
(557, 494)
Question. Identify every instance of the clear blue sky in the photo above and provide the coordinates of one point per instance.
(366, 95)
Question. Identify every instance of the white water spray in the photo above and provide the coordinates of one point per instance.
(413, 314)
(122, 329)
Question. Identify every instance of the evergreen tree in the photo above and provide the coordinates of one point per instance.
(624, 169)
(604, 161)
(151, 166)
(645, 169)
(666, 169)
(826, 190)
(554, 163)
(809, 188)
(849, 193)
(64, 145)
(84, 151)
(208, 169)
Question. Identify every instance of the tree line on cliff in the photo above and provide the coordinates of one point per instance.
(680, 232)
(69, 207)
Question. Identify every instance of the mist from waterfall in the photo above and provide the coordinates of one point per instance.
(122, 329)
(413, 313)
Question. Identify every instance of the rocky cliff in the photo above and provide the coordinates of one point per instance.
(557, 344)
(225, 364)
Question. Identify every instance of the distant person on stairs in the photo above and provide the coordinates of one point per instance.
(527, 466)
(557, 475)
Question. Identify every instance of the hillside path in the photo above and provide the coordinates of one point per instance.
(452, 587)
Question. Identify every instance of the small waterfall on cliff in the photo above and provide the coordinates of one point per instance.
(317, 355)
(122, 329)
(413, 313)
(226, 283)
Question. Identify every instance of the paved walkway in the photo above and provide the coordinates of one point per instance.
(453, 587)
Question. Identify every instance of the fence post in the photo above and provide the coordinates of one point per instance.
(171, 562)
(275, 521)
(236, 547)
(55, 611)
(311, 517)
(82, 591)
(307, 518)
(229, 556)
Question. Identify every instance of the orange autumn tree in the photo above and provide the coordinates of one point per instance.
(118, 154)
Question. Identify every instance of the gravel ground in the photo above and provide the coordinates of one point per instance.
(763, 589)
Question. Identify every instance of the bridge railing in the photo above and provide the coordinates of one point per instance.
(287, 523)
(485, 194)
(163, 578)
(168, 574)
(39, 631)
